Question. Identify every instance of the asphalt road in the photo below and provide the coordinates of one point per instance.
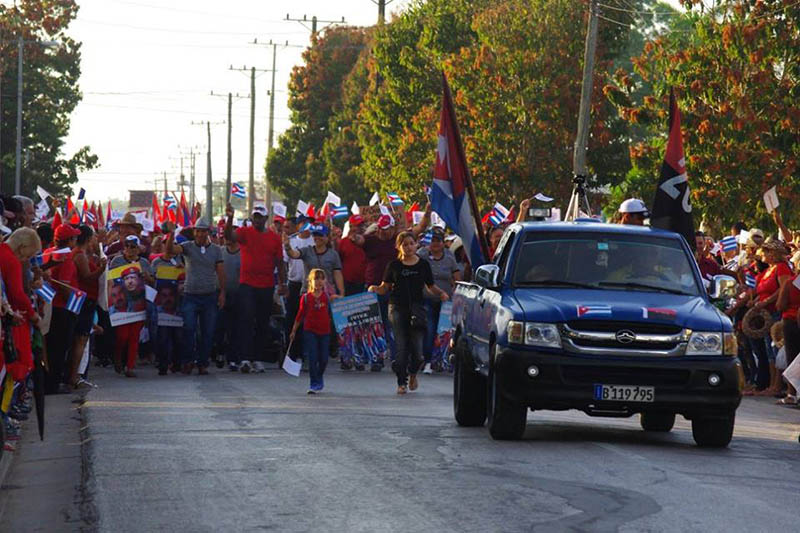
(233, 452)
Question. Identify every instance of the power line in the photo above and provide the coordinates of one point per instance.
(196, 12)
(174, 30)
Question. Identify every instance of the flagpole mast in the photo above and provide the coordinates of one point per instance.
(468, 185)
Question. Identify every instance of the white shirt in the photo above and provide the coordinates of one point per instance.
(296, 271)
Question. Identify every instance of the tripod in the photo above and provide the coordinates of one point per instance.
(578, 202)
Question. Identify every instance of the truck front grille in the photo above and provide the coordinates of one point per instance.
(595, 337)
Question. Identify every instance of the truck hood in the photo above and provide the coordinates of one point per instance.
(561, 305)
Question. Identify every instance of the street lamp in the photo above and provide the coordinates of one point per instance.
(20, 46)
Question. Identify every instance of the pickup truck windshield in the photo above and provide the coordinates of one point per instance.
(605, 261)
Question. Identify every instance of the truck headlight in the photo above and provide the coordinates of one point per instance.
(704, 343)
(542, 334)
(730, 346)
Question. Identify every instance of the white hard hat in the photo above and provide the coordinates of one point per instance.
(633, 205)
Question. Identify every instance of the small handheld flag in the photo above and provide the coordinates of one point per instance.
(238, 191)
(394, 198)
(750, 280)
(46, 292)
(728, 243)
(425, 239)
(498, 215)
(375, 199)
(340, 212)
(75, 302)
(81, 194)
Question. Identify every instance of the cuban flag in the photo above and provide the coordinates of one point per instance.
(425, 239)
(394, 198)
(169, 201)
(89, 218)
(750, 280)
(728, 243)
(46, 292)
(451, 195)
(593, 310)
(340, 212)
(75, 302)
(498, 215)
(238, 191)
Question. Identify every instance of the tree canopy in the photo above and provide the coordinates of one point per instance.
(50, 94)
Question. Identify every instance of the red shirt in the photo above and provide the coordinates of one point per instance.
(354, 261)
(314, 314)
(261, 252)
(794, 302)
(90, 286)
(708, 267)
(768, 282)
(379, 254)
(11, 270)
(65, 272)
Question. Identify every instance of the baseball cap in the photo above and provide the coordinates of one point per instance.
(385, 222)
(757, 233)
(356, 220)
(132, 238)
(201, 223)
(65, 231)
(260, 209)
(319, 229)
(633, 205)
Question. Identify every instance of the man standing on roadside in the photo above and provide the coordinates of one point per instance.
(261, 252)
(354, 259)
(203, 294)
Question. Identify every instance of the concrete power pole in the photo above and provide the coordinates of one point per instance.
(251, 186)
(271, 132)
(314, 22)
(382, 9)
(209, 181)
(584, 111)
(18, 167)
(227, 193)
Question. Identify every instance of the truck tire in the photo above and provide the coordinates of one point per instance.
(661, 422)
(713, 432)
(469, 392)
(506, 419)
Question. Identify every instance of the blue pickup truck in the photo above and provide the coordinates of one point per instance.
(612, 320)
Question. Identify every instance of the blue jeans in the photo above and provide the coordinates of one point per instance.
(317, 349)
(198, 309)
(432, 309)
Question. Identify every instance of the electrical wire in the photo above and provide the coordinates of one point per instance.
(174, 30)
(195, 12)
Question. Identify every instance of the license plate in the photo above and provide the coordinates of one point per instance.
(624, 393)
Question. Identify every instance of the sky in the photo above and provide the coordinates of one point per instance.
(148, 70)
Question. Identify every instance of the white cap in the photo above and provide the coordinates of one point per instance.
(260, 209)
(633, 205)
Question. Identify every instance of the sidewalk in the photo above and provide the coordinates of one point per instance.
(41, 483)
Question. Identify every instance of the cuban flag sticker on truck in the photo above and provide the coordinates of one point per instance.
(593, 310)
(654, 313)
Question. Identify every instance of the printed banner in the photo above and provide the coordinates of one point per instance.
(362, 338)
(126, 297)
(441, 341)
(169, 288)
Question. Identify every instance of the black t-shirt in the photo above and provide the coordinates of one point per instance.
(408, 281)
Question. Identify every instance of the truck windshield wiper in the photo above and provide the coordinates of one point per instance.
(634, 285)
(558, 282)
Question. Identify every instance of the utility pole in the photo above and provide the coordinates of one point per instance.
(251, 186)
(18, 167)
(584, 111)
(314, 22)
(382, 10)
(209, 209)
(228, 176)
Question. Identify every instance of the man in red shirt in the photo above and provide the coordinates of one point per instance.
(354, 259)
(261, 252)
(62, 324)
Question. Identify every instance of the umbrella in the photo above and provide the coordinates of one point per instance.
(39, 357)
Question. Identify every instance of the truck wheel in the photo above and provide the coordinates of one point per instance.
(713, 432)
(506, 419)
(657, 421)
(469, 392)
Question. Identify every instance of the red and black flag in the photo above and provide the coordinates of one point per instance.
(672, 208)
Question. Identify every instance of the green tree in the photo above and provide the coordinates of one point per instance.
(50, 94)
(297, 165)
(736, 73)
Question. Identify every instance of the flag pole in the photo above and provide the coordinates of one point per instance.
(468, 182)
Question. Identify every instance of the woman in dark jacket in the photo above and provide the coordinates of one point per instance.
(404, 280)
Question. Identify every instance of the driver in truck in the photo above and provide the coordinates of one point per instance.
(633, 212)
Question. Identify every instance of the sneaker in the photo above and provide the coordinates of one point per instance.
(233, 367)
(346, 365)
(203, 371)
(311, 391)
(360, 368)
(401, 389)
(258, 367)
(220, 361)
(412, 382)
(245, 368)
(427, 369)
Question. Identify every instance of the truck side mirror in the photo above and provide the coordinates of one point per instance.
(488, 276)
(722, 287)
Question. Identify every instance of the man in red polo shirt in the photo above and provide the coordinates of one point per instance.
(261, 252)
(354, 259)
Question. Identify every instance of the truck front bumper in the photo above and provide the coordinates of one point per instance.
(562, 381)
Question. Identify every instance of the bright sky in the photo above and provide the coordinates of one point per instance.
(149, 67)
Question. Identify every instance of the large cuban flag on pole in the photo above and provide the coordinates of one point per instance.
(452, 194)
